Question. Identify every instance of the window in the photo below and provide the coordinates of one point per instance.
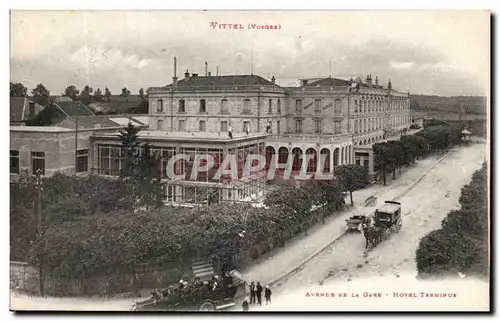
(317, 126)
(182, 125)
(366, 163)
(270, 107)
(278, 106)
(358, 162)
(338, 106)
(355, 126)
(203, 106)
(355, 105)
(223, 126)
(223, 106)
(159, 106)
(182, 106)
(160, 124)
(298, 126)
(337, 127)
(14, 161)
(317, 106)
(202, 126)
(246, 125)
(246, 106)
(298, 106)
(82, 161)
(38, 162)
(278, 128)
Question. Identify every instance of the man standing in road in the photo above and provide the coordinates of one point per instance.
(259, 293)
(252, 292)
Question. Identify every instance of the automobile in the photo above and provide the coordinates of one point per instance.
(202, 298)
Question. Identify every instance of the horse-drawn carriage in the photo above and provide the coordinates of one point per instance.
(356, 222)
(386, 220)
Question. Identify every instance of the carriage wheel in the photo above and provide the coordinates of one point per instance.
(387, 233)
(399, 225)
(207, 306)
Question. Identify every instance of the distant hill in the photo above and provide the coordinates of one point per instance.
(474, 105)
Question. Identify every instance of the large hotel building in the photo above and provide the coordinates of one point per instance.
(333, 119)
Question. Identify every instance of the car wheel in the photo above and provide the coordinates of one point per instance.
(207, 306)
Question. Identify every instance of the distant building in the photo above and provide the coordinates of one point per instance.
(52, 148)
(23, 109)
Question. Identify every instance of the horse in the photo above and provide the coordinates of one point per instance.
(373, 236)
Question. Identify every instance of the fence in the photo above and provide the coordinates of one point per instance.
(25, 278)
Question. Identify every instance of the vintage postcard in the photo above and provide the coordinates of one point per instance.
(250, 161)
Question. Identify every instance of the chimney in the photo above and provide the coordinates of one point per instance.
(31, 111)
(369, 80)
(206, 69)
(273, 80)
(389, 85)
(194, 75)
(186, 75)
(209, 74)
(175, 72)
(376, 80)
(217, 71)
(304, 82)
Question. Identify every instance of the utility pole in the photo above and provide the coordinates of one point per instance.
(76, 144)
(41, 236)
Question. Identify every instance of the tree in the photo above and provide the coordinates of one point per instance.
(125, 93)
(98, 95)
(461, 245)
(149, 178)
(18, 90)
(71, 92)
(381, 159)
(107, 94)
(41, 95)
(85, 95)
(141, 93)
(352, 178)
(129, 150)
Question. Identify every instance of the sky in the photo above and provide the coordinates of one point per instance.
(425, 52)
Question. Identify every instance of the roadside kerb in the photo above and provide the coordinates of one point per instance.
(305, 261)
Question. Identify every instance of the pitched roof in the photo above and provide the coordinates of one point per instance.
(48, 116)
(223, 81)
(16, 109)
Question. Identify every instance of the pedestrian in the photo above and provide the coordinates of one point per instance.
(245, 305)
(259, 293)
(252, 293)
(267, 295)
(230, 132)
